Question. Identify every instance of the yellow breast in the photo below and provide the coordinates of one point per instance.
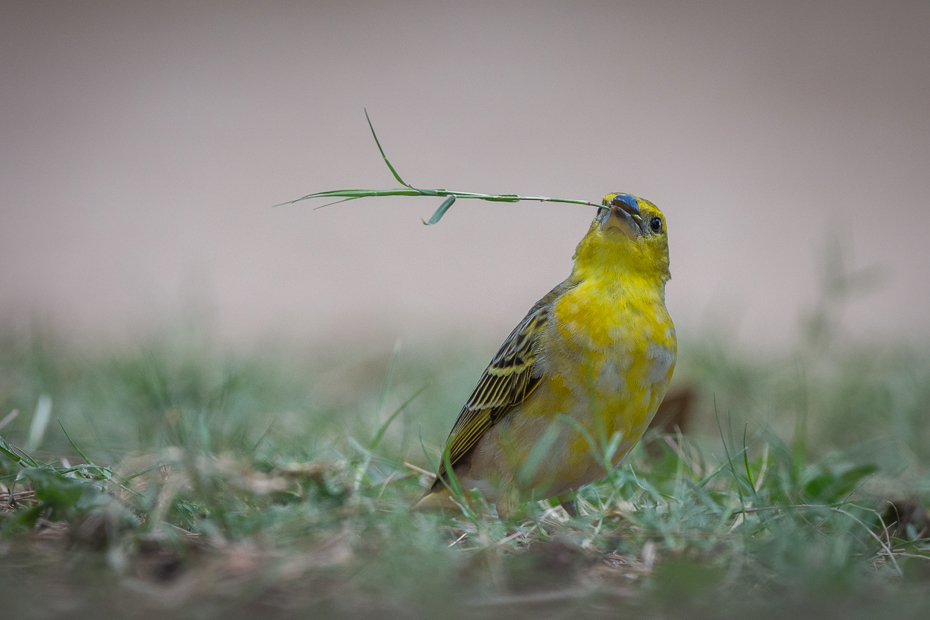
(610, 356)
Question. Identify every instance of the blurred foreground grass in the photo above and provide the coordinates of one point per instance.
(175, 477)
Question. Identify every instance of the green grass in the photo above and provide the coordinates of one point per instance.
(174, 476)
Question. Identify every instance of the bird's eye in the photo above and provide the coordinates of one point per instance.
(656, 225)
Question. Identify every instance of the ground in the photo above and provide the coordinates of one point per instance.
(174, 476)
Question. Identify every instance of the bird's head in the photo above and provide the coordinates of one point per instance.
(628, 235)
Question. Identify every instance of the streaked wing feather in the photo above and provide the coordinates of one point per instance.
(508, 380)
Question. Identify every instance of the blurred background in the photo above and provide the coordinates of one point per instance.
(143, 145)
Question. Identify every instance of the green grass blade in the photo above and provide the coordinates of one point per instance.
(73, 445)
(409, 190)
(10, 452)
(726, 449)
(383, 429)
(378, 142)
(441, 211)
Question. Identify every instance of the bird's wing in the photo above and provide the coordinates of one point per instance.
(511, 376)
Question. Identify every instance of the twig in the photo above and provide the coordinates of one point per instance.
(517, 534)
(417, 469)
(456, 541)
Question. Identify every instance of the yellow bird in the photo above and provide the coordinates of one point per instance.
(577, 382)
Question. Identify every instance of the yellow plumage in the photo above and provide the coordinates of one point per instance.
(577, 382)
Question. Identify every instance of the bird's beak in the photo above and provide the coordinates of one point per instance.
(624, 215)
